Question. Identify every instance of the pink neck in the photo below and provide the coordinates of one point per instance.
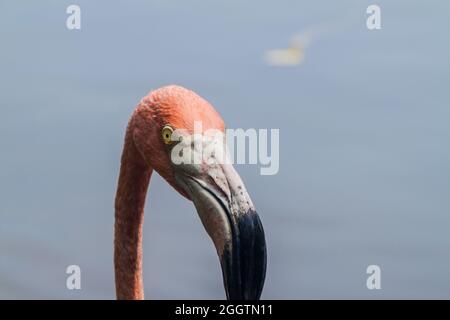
(129, 215)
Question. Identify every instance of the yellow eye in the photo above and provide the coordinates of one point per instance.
(167, 134)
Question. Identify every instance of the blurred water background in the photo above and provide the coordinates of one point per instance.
(364, 155)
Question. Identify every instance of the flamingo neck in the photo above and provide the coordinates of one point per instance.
(132, 187)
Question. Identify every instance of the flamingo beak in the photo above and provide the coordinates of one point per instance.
(228, 215)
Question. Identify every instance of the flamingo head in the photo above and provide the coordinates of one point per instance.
(181, 136)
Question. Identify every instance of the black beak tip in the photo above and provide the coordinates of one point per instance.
(244, 260)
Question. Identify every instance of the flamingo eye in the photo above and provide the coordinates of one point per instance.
(167, 134)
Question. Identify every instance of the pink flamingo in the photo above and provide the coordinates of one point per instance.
(217, 191)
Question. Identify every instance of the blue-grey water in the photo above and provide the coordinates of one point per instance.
(364, 143)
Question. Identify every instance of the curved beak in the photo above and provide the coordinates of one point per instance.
(228, 215)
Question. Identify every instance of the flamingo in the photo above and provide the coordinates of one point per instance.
(218, 193)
